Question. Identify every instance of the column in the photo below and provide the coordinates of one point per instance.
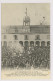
(29, 43)
(23, 43)
(40, 43)
(45, 43)
(34, 43)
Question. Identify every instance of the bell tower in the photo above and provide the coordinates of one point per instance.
(26, 20)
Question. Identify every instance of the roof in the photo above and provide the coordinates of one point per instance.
(32, 29)
(41, 29)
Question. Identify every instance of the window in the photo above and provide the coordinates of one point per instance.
(26, 37)
(15, 37)
(37, 37)
(4, 36)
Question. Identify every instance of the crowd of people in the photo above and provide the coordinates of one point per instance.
(38, 57)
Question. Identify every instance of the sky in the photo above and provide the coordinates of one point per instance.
(13, 13)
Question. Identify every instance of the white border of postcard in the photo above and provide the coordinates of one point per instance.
(51, 34)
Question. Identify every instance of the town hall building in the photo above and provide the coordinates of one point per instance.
(26, 34)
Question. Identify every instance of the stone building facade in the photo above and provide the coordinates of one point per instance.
(26, 34)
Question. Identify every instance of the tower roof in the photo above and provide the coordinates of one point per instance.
(26, 18)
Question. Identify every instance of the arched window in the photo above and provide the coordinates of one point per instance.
(43, 43)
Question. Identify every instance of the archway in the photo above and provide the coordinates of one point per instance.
(31, 43)
(43, 43)
(26, 43)
(21, 43)
(37, 43)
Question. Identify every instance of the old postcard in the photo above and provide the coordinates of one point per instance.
(25, 40)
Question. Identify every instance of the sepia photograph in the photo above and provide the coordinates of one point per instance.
(25, 40)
